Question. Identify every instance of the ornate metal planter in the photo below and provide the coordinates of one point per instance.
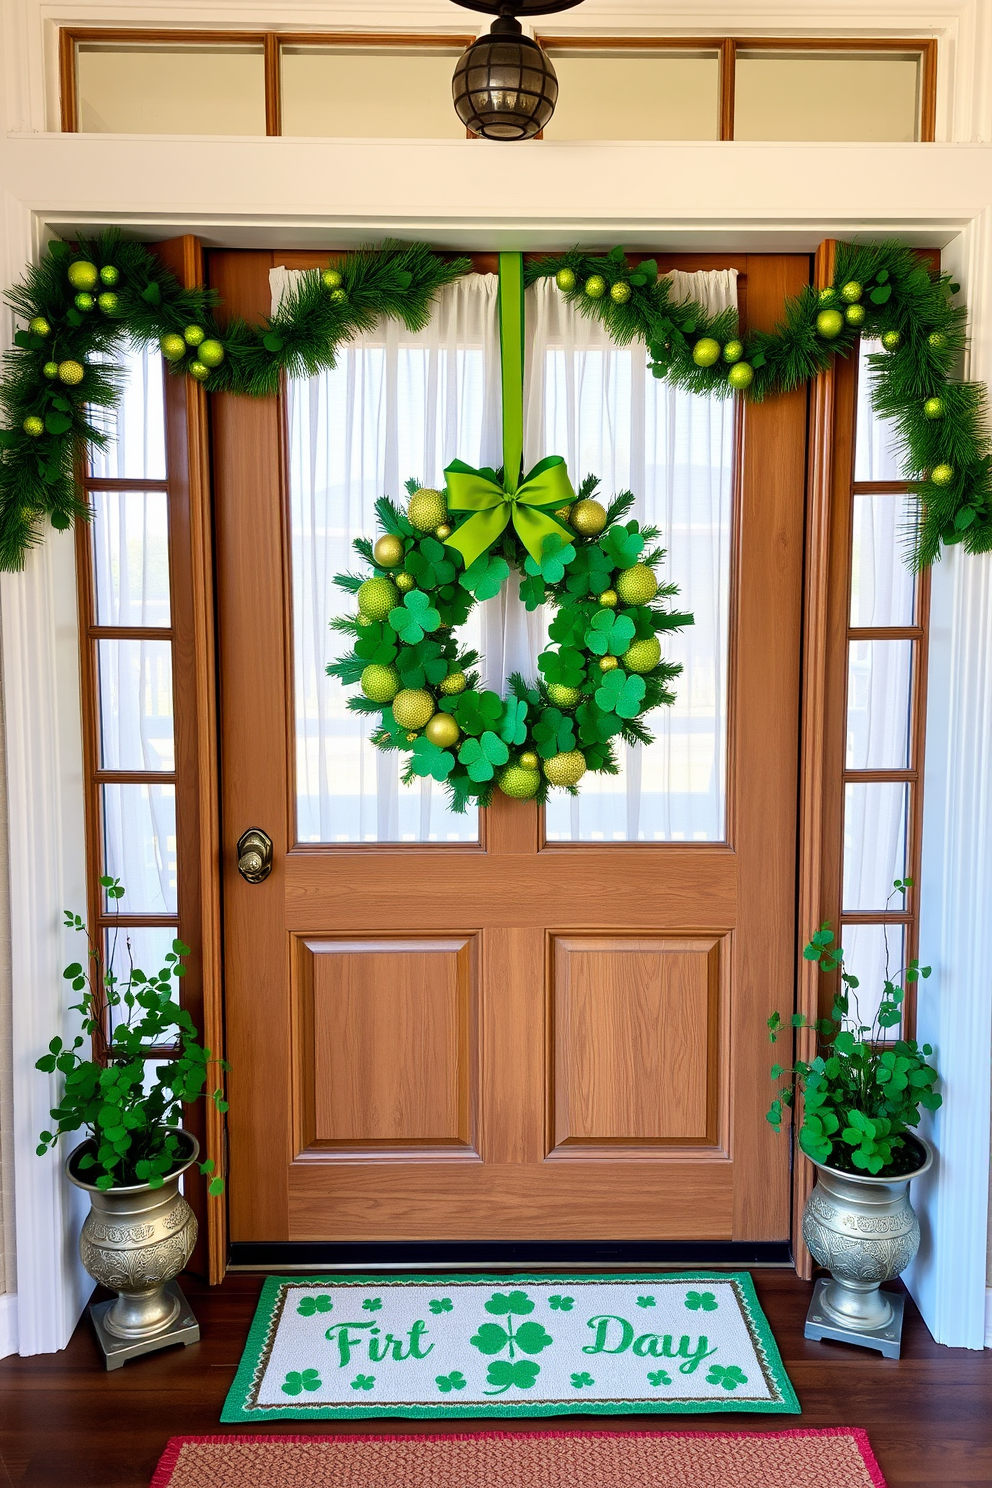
(136, 1241)
(865, 1231)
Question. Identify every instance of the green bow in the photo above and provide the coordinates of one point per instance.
(495, 506)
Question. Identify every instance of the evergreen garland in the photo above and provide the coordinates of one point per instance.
(880, 291)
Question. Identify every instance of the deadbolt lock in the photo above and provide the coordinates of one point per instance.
(255, 855)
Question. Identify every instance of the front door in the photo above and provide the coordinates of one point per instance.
(516, 1029)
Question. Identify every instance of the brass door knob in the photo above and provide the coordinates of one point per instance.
(255, 855)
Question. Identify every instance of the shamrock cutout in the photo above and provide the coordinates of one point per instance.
(377, 643)
(503, 1374)
(481, 756)
(510, 1304)
(533, 592)
(609, 634)
(624, 545)
(372, 1304)
(659, 1377)
(595, 726)
(557, 554)
(475, 712)
(618, 693)
(363, 1382)
(309, 1306)
(561, 1304)
(430, 564)
(554, 733)
(441, 1304)
(579, 1381)
(591, 571)
(705, 1300)
(414, 617)
(729, 1377)
(448, 1382)
(486, 576)
(513, 729)
(569, 625)
(566, 665)
(429, 759)
(645, 1302)
(295, 1382)
(421, 664)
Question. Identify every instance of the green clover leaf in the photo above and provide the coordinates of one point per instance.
(430, 564)
(561, 1304)
(609, 634)
(645, 1302)
(729, 1377)
(570, 624)
(618, 693)
(705, 1300)
(566, 666)
(595, 726)
(510, 1304)
(533, 592)
(513, 728)
(309, 1306)
(376, 643)
(503, 1374)
(580, 1381)
(475, 712)
(414, 617)
(363, 1382)
(481, 756)
(554, 733)
(557, 553)
(372, 1304)
(490, 1339)
(659, 1377)
(421, 664)
(429, 759)
(486, 576)
(532, 1338)
(591, 571)
(448, 1382)
(441, 1304)
(623, 545)
(296, 1383)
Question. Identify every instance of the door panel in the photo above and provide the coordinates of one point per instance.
(512, 1039)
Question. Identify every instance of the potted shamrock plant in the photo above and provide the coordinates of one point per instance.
(127, 1075)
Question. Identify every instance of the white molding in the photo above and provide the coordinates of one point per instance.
(8, 1324)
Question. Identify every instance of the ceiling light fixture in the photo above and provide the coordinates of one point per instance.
(505, 87)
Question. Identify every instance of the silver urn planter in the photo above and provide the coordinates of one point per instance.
(136, 1241)
(864, 1230)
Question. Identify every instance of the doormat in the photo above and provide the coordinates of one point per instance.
(835, 1458)
(358, 1347)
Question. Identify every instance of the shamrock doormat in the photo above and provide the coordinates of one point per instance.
(337, 1347)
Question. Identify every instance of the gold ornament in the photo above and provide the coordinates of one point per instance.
(84, 302)
(39, 326)
(108, 302)
(851, 292)
(194, 334)
(71, 373)
(588, 517)
(855, 315)
(453, 683)
(565, 769)
(565, 280)
(933, 408)
(332, 279)
(595, 287)
(706, 352)
(339, 296)
(34, 426)
(83, 274)
(620, 292)
(829, 323)
(427, 509)
(442, 730)
(608, 599)
(109, 275)
(443, 531)
(199, 370)
(936, 341)
(211, 353)
(562, 696)
(410, 738)
(892, 340)
(405, 582)
(50, 370)
(733, 351)
(564, 514)
(388, 551)
(172, 347)
(518, 783)
(363, 620)
(413, 707)
(637, 585)
(380, 684)
(643, 656)
(377, 597)
(942, 475)
(608, 663)
(740, 376)
(529, 760)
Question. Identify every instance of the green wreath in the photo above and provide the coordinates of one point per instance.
(602, 673)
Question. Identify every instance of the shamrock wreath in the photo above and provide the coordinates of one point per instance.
(601, 674)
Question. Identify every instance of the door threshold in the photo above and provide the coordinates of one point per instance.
(306, 1255)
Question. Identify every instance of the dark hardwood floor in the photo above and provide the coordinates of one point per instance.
(66, 1423)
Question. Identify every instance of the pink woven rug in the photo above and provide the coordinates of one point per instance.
(835, 1458)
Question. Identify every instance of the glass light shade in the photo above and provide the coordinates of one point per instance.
(505, 86)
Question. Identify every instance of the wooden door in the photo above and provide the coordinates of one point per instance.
(511, 1040)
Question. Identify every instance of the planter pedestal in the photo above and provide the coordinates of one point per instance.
(117, 1350)
(823, 1321)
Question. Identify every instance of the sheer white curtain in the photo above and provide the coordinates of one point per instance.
(397, 405)
(597, 404)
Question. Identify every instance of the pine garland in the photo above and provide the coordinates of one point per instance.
(880, 291)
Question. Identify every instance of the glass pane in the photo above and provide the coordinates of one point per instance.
(170, 89)
(875, 826)
(873, 953)
(136, 730)
(876, 455)
(139, 836)
(878, 705)
(131, 557)
(636, 95)
(596, 404)
(813, 96)
(398, 405)
(370, 92)
(144, 948)
(135, 429)
(883, 587)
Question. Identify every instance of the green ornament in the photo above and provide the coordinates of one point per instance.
(50, 370)
(565, 280)
(405, 582)
(827, 296)
(643, 656)
(172, 347)
(194, 334)
(829, 323)
(339, 296)
(376, 597)
(855, 315)
(332, 279)
(565, 769)
(380, 684)
(84, 301)
(562, 696)
(933, 408)
(851, 292)
(706, 352)
(427, 509)
(620, 292)
(608, 663)
(637, 585)
(39, 326)
(936, 341)
(518, 783)
(733, 351)
(942, 475)
(199, 370)
(741, 376)
(595, 287)
(609, 599)
(892, 340)
(108, 302)
(211, 353)
(413, 707)
(529, 760)
(453, 683)
(71, 373)
(34, 426)
(109, 275)
(83, 274)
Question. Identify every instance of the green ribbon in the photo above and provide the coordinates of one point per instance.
(495, 506)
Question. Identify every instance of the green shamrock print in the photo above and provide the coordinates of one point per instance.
(727, 1376)
(502, 1374)
(561, 1304)
(620, 694)
(414, 617)
(528, 1338)
(645, 1302)
(659, 1377)
(580, 1381)
(515, 1304)
(705, 1300)
(441, 1304)
(531, 1338)
(448, 1382)
(372, 1304)
(295, 1382)
(363, 1382)
(481, 756)
(309, 1306)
